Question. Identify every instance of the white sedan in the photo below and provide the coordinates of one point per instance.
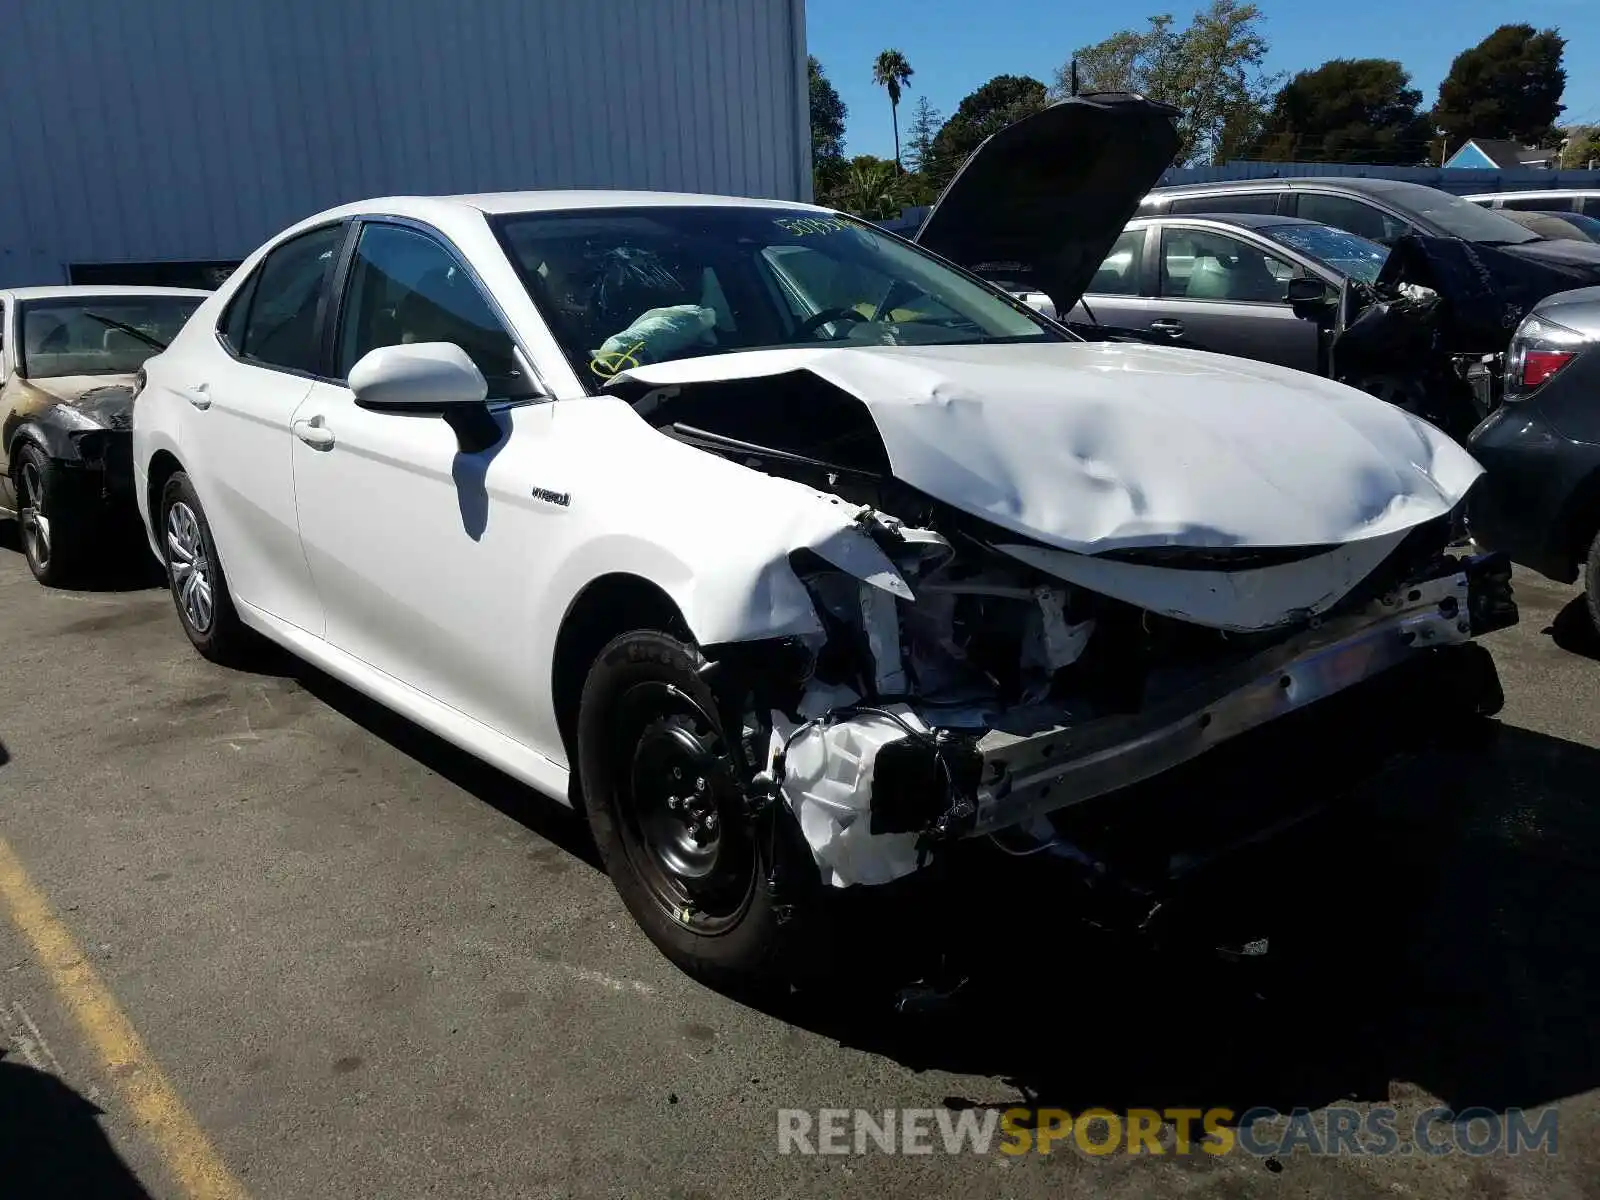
(793, 554)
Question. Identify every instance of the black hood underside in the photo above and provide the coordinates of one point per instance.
(1042, 201)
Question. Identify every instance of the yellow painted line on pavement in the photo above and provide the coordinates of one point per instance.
(194, 1162)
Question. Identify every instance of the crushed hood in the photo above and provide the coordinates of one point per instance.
(1042, 201)
(1094, 447)
(105, 401)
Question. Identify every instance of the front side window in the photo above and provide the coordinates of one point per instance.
(1197, 264)
(405, 287)
(1119, 274)
(1344, 252)
(275, 316)
(104, 335)
(625, 287)
(1353, 216)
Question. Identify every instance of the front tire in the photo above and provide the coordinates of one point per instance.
(672, 824)
(194, 575)
(53, 527)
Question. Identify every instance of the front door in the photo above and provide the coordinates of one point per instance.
(418, 550)
(1225, 294)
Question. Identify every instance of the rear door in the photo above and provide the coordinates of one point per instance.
(243, 390)
(1225, 293)
(1121, 295)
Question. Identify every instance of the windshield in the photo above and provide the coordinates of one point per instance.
(1460, 218)
(1344, 252)
(81, 335)
(624, 287)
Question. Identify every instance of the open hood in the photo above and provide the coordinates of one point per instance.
(1041, 203)
(1086, 447)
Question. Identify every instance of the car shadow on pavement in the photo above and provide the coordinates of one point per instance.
(51, 1142)
(125, 564)
(1573, 631)
(560, 826)
(1436, 931)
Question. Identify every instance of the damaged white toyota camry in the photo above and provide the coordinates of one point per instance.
(794, 554)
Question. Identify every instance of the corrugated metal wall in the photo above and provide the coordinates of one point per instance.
(194, 129)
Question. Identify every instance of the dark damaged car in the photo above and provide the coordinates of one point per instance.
(69, 358)
(1428, 332)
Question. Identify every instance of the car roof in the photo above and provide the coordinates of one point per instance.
(1244, 220)
(1349, 183)
(67, 291)
(553, 200)
(1533, 193)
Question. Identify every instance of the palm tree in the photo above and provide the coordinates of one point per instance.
(892, 73)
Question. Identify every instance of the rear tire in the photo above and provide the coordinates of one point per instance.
(52, 523)
(670, 822)
(194, 575)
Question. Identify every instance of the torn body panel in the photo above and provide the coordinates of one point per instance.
(1090, 564)
(84, 422)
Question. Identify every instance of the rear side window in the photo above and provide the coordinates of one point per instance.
(1119, 274)
(1590, 206)
(1353, 216)
(1226, 202)
(273, 319)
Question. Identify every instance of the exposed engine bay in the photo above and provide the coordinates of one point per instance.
(979, 678)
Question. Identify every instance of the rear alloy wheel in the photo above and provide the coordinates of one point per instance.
(194, 573)
(673, 824)
(52, 532)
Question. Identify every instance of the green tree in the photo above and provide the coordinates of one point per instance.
(989, 109)
(892, 73)
(925, 122)
(1211, 69)
(1507, 86)
(1347, 110)
(1581, 150)
(828, 113)
(869, 187)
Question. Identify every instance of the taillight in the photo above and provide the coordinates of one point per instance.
(1540, 350)
(138, 384)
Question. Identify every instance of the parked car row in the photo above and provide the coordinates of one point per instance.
(799, 556)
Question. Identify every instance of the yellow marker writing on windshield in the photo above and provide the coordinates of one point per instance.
(613, 362)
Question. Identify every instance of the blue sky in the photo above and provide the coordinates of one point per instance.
(955, 45)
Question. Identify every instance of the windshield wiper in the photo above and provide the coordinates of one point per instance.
(127, 329)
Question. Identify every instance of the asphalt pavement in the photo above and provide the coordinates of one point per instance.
(261, 927)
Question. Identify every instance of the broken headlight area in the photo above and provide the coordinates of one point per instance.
(998, 694)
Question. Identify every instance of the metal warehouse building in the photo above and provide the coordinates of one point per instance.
(162, 142)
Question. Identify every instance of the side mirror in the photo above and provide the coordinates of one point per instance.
(1304, 290)
(429, 379)
(424, 377)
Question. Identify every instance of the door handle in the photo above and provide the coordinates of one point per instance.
(314, 434)
(1168, 326)
(199, 395)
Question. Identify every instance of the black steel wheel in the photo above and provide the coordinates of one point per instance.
(723, 892)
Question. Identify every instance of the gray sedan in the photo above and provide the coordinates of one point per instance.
(1252, 285)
